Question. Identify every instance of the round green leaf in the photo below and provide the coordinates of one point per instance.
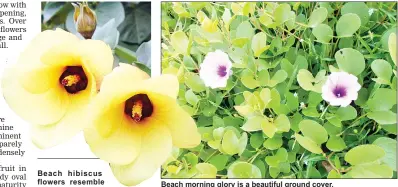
(383, 117)
(346, 113)
(347, 25)
(206, 170)
(243, 170)
(323, 33)
(383, 99)
(359, 8)
(371, 171)
(254, 123)
(282, 13)
(350, 61)
(314, 131)
(259, 43)
(308, 144)
(194, 82)
(256, 140)
(364, 154)
(392, 46)
(230, 143)
(273, 143)
(390, 148)
(245, 30)
(179, 41)
(191, 98)
(335, 144)
(282, 123)
(382, 69)
(219, 161)
(317, 17)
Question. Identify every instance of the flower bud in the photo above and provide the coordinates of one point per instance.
(85, 20)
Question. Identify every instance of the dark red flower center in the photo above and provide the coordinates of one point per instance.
(138, 107)
(73, 79)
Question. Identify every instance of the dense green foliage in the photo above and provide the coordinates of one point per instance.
(271, 121)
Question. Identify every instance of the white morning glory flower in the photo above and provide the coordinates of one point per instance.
(340, 89)
(215, 69)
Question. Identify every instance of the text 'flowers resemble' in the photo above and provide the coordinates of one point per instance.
(215, 69)
(340, 89)
(53, 82)
(136, 121)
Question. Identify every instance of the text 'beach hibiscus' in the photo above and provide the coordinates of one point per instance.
(136, 121)
(340, 89)
(53, 82)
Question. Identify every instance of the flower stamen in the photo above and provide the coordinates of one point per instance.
(138, 107)
(136, 112)
(73, 79)
(70, 80)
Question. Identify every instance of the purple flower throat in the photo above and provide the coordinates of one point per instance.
(222, 71)
(339, 91)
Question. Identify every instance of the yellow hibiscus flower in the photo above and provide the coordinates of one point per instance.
(52, 83)
(136, 121)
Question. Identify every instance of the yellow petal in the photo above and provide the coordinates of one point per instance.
(124, 73)
(41, 109)
(74, 120)
(156, 148)
(122, 141)
(100, 65)
(181, 125)
(42, 43)
(164, 84)
(62, 55)
(40, 79)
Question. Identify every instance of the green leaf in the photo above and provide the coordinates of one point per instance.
(268, 128)
(323, 33)
(358, 8)
(346, 113)
(383, 117)
(254, 123)
(383, 99)
(107, 33)
(350, 61)
(307, 81)
(371, 171)
(382, 69)
(390, 148)
(333, 174)
(206, 170)
(180, 42)
(281, 13)
(347, 25)
(243, 170)
(317, 17)
(219, 161)
(259, 43)
(256, 140)
(105, 11)
(363, 154)
(136, 27)
(280, 157)
(191, 98)
(194, 82)
(273, 143)
(392, 46)
(308, 144)
(230, 143)
(335, 144)
(245, 30)
(314, 131)
(282, 123)
(51, 9)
